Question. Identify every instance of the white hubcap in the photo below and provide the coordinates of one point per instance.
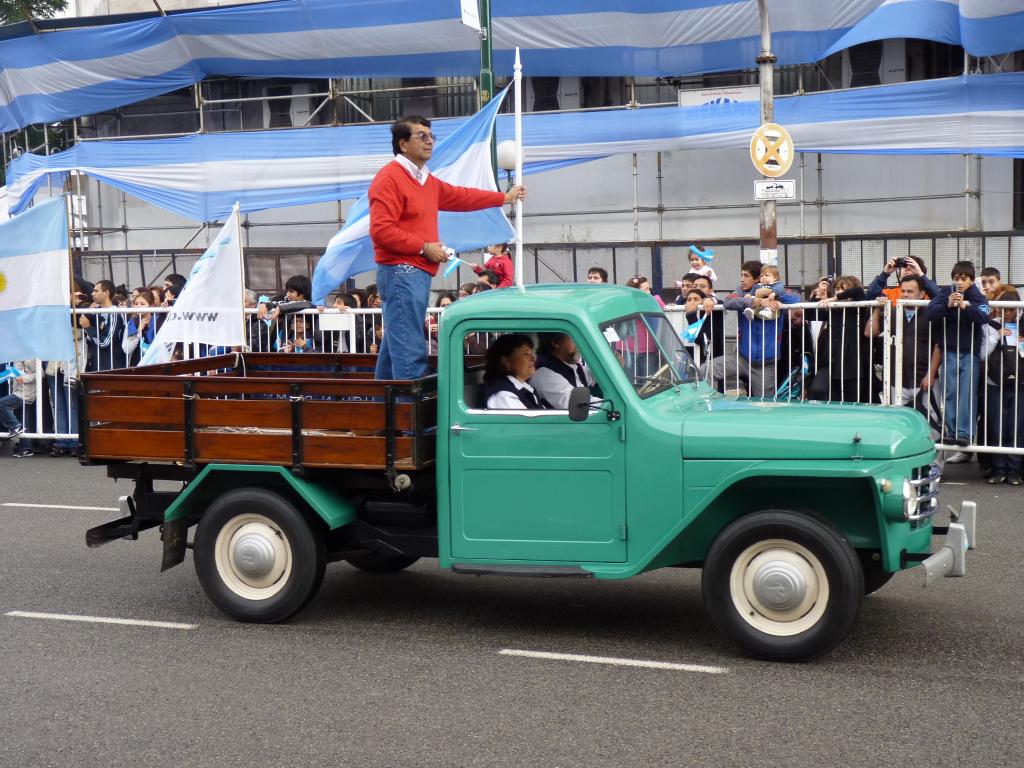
(254, 559)
(779, 587)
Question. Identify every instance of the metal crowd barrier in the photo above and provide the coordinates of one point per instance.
(854, 352)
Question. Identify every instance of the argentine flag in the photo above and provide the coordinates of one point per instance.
(35, 285)
(463, 159)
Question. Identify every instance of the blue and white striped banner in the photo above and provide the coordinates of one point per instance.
(982, 27)
(200, 177)
(35, 285)
(462, 158)
(62, 74)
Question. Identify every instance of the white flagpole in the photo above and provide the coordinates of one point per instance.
(519, 169)
(241, 264)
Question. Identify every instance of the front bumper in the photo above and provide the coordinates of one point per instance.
(960, 536)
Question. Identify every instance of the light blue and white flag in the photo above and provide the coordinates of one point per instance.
(209, 309)
(689, 336)
(35, 285)
(463, 159)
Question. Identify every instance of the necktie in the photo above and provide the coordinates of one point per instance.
(581, 376)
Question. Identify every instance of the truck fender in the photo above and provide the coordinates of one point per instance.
(327, 504)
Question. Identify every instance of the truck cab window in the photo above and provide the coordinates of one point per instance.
(516, 370)
(650, 352)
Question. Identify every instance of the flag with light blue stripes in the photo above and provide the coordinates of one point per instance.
(35, 285)
(462, 159)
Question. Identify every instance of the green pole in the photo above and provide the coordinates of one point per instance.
(485, 91)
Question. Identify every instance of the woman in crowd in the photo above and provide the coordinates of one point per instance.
(444, 300)
(640, 351)
(511, 361)
(141, 328)
(842, 347)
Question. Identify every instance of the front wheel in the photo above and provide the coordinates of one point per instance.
(257, 557)
(784, 586)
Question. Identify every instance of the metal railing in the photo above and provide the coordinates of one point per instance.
(968, 384)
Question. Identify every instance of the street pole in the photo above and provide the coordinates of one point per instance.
(766, 77)
(485, 91)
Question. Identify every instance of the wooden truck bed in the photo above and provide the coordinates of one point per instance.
(297, 410)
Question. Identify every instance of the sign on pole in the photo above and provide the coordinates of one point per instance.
(471, 15)
(771, 150)
(775, 189)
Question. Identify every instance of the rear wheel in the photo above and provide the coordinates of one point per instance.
(257, 557)
(376, 562)
(784, 586)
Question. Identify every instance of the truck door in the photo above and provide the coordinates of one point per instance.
(530, 485)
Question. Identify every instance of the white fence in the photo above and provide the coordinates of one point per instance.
(968, 387)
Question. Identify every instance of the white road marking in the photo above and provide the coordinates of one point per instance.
(100, 620)
(948, 482)
(616, 662)
(62, 506)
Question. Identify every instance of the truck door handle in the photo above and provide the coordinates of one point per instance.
(456, 427)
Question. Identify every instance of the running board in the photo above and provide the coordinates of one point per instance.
(534, 571)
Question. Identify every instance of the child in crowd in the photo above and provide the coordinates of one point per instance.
(23, 394)
(700, 261)
(770, 287)
(963, 311)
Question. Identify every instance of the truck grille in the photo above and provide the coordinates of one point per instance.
(924, 502)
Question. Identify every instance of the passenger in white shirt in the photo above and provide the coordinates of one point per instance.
(559, 370)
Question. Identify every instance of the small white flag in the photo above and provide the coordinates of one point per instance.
(209, 309)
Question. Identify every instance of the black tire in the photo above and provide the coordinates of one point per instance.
(256, 520)
(809, 549)
(876, 577)
(376, 562)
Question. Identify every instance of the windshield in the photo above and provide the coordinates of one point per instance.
(650, 352)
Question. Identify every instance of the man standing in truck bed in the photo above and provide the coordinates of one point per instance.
(404, 201)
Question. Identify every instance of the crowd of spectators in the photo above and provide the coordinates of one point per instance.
(961, 361)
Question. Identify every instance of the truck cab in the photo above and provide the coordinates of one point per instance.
(793, 510)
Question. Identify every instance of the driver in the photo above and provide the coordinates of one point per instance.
(511, 361)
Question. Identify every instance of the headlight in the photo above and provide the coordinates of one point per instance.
(909, 498)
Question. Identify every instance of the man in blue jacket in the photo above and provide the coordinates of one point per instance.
(757, 339)
(963, 311)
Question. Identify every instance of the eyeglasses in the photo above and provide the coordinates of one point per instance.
(424, 136)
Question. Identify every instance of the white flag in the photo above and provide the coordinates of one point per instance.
(209, 309)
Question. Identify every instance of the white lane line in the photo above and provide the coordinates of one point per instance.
(100, 620)
(61, 506)
(949, 482)
(616, 662)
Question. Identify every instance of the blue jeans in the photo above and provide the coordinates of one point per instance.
(960, 379)
(10, 410)
(405, 293)
(65, 408)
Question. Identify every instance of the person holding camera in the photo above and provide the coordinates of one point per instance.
(903, 266)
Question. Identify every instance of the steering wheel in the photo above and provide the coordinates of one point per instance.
(652, 381)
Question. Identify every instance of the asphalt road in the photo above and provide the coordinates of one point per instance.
(405, 669)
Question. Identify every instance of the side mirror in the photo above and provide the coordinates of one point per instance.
(579, 404)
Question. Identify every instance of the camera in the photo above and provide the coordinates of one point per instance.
(901, 263)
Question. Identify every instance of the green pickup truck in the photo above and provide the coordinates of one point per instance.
(794, 511)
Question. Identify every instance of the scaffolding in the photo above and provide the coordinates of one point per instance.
(231, 104)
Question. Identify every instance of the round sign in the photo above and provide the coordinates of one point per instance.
(771, 150)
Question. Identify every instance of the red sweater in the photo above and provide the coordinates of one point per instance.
(403, 213)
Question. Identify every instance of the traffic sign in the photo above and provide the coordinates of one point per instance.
(775, 189)
(771, 150)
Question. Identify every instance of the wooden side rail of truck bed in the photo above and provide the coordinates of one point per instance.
(294, 410)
